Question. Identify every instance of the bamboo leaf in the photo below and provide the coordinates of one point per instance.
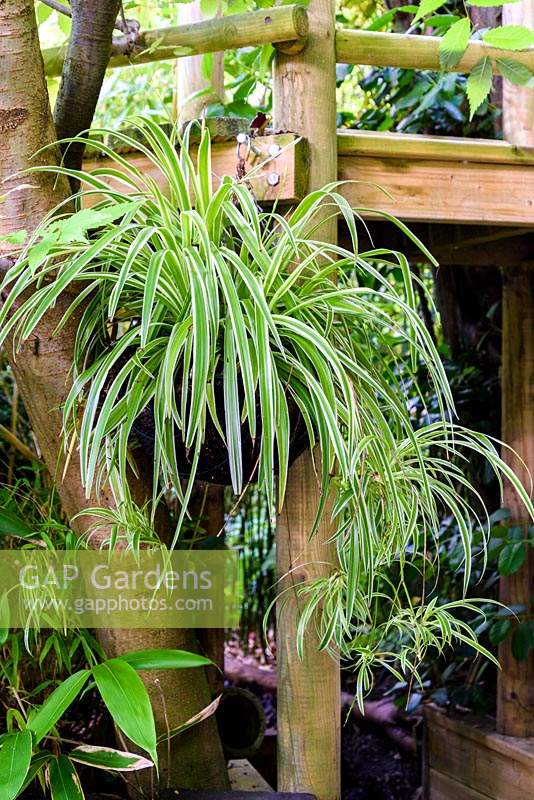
(63, 780)
(164, 659)
(15, 757)
(42, 721)
(109, 759)
(127, 700)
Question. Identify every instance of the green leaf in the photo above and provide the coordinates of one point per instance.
(108, 758)
(454, 43)
(509, 37)
(38, 761)
(500, 630)
(128, 702)
(75, 227)
(17, 237)
(15, 757)
(523, 640)
(5, 618)
(42, 722)
(513, 71)
(10, 525)
(511, 558)
(63, 780)
(479, 85)
(427, 7)
(164, 659)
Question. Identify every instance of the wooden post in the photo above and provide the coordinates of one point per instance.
(308, 690)
(189, 77)
(515, 700)
(518, 102)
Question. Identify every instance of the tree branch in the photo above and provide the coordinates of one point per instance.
(84, 68)
(58, 7)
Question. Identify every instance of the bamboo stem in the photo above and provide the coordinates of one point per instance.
(280, 25)
(378, 49)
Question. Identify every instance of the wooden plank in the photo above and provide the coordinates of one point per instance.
(441, 191)
(443, 787)
(429, 181)
(439, 148)
(515, 688)
(375, 48)
(245, 778)
(496, 766)
(289, 167)
(309, 719)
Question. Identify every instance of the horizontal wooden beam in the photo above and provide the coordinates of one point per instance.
(380, 49)
(276, 166)
(423, 180)
(440, 148)
(285, 26)
(417, 178)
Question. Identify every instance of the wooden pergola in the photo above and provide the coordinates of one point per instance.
(428, 180)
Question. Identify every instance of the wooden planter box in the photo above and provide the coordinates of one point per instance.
(465, 759)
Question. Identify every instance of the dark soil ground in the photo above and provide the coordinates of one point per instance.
(372, 767)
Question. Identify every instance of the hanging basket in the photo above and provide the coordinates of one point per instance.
(214, 462)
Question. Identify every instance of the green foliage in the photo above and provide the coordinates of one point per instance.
(454, 43)
(201, 281)
(479, 85)
(513, 71)
(15, 757)
(456, 39)
(509, 37)
(126, 698)
(63, 780)
(418, 102)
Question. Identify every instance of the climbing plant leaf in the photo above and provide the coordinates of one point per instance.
(454, 43)
(513, 71)
(509, 37)
(479, 85)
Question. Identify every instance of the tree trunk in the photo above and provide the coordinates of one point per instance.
(42, 373)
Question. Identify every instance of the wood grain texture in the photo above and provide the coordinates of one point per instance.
(290, 167)
(517, 101)
(438, 148)
(477, 759)
(443, 787)
(308, 691)
(516, 679)
(446, 180)
(440, 191)
(409, 51)
(266, 26)
(515, 690)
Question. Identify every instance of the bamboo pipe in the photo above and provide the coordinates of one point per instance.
(378, 49)
(283, 25)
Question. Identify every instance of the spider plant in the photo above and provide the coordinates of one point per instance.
(206, 311)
